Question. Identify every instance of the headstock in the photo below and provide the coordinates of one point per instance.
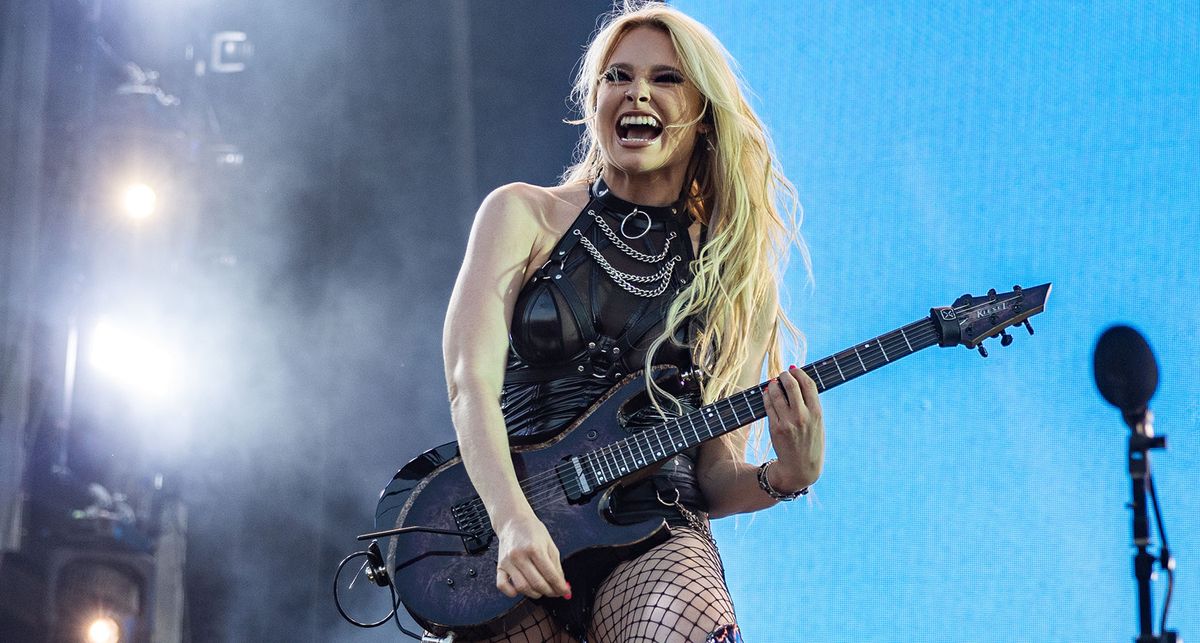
(973, 319)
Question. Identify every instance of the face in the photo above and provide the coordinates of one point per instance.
(642, 103)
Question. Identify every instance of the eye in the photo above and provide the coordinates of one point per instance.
(669, 77)
(615, 75)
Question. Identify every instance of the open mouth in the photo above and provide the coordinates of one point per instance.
(638, 128)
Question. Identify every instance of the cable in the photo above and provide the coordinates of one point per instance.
(395, 600)
(1164, 560)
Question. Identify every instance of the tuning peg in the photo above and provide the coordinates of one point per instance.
(1005, 338)
(1028, 326)
(982, 350)
(992, 294)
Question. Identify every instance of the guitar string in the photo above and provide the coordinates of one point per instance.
(544, 486)
(537, 488)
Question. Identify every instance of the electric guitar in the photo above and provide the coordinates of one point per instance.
(441, 550)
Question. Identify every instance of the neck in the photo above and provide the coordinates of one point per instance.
(654, 189)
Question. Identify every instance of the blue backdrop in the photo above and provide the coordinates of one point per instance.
(949, 148)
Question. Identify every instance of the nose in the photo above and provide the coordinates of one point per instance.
(639, 92)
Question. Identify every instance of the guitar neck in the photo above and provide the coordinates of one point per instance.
(674, 436)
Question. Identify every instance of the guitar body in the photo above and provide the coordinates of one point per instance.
(448, 587)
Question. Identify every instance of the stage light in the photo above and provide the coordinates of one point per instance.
(139, 201)
(230, 51)
(136, 361)
(103, 629)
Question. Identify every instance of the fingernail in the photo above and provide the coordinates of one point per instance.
(792, 367)
(567, 596)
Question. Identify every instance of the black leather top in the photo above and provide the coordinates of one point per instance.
(575, 332)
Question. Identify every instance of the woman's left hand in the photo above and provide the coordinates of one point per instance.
(797, 430)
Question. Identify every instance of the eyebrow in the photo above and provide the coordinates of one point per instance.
(655, 69)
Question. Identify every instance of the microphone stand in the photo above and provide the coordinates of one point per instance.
(1141, 441)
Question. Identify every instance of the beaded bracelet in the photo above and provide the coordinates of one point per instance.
(765, 484)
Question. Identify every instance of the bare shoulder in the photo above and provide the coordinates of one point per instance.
(541, 214)
(536, 199)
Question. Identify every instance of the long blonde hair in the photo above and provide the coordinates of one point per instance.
(733, 185)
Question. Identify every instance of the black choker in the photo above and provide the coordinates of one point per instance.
(620, 207)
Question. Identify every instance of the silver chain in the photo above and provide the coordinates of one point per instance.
(640, 256)
(626, 280)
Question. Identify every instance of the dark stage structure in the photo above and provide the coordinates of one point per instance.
(228, 231)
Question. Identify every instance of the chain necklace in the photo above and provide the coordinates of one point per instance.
(648, 286)
(627, 280)
(625, 247)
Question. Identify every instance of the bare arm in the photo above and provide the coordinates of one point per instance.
(474, 345)
(729, 483)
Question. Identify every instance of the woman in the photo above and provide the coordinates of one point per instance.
(659, 247)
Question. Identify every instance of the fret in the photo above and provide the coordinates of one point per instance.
(704, 415)
(598, 467)
(679, 440)
(590, 468)
(905, 336)
(734, 409)
(746, 401)
(588, 458)
(816, 371)
(879, 343)
(662, 450)
(839, 368)
(860, 359)
(692, 423)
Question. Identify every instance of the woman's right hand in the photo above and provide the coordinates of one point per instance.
(529, 562)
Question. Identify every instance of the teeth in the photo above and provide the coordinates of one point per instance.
(626, 121)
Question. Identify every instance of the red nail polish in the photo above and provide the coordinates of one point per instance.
(792, 367)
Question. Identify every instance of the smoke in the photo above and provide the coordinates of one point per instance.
(309, 289)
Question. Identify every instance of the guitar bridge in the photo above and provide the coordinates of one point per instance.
(471, 517)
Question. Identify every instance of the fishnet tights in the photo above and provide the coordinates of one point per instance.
(674, 593)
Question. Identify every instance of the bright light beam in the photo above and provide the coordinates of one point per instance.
(137, 362)
(139, 201)
(103, 629)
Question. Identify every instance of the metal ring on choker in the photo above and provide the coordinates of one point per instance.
(649, 222)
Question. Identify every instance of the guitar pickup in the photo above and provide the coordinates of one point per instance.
(573, 478)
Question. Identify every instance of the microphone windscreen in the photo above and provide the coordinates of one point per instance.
(1125, 370)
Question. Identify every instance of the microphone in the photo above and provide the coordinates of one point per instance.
(1126, 372)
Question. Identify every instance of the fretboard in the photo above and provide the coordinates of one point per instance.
(676, 435)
